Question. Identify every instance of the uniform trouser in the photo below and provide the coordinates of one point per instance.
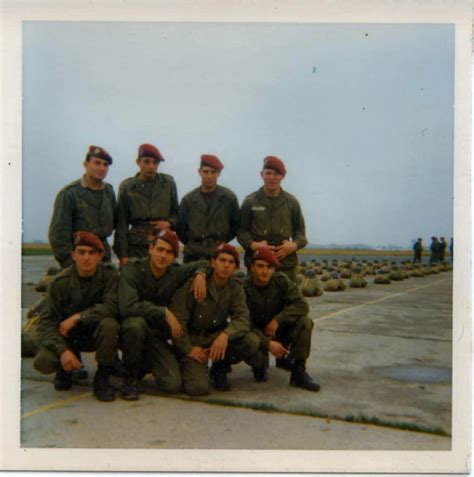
(146, 350)
(196, 375)
(417, 257)
(102, 337)
(295, 336)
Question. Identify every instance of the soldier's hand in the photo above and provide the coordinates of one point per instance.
(199, 287)
(271, 328)
(199, 354)
(161, 224)
(68, 324)
(263, 243)
(218, 347)
(174, 324)
(69, 361)
(277, 349)
(123, 261)
(285, 249)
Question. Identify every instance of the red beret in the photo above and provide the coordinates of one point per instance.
(272, 162)
(100, 153)
(169, 236)
(89, 240)
(264, 253)
(211, 161)
(148, 150)
(229, 249)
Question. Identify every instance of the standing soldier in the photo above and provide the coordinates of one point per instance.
(279, 320)
(216, 329)
(434, 247)
(208, 215)
(442, 248)
(87, 204)
(451, 249)
(272, 217)
(80, 316)
(417, 250)
(145, 291)
(147, 202)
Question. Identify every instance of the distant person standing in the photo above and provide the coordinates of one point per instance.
(418, 250)
(147, 202)
(87, 204)
(208, 215)
(442, 248)
(434, 247)
(451, 249)
(272, 217)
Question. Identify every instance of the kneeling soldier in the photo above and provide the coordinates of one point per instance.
(216, 329)
(80, 316)
(279, 319)
(146, 288)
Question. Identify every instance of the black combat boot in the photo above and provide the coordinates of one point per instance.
(260, 374)
(62, 380)
(287, 363)
(103, 390)
(218, 375)
(301, 379)
(81, 373)
(118, 370)
(130, 390)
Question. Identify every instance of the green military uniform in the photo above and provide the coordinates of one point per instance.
(205, 220)
(223, 310)
(143, 299)
(273, 219)
(95, 298)
(282, 300)
(139, 203)
(77, 207)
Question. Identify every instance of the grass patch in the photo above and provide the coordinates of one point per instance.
(28, 252)
(360, 419)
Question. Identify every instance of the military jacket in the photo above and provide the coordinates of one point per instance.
(94, 301)
(142, 294)
(222, 310)
(271, 219)
(136, 206)
(79, 208)
(200, 224)
(280, 299)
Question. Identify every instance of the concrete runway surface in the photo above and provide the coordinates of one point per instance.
(381, 354)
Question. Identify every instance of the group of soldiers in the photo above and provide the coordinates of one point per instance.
(437, 249)
(167, 318)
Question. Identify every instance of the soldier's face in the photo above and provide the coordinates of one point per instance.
(87, 259)
(209, 177)
(148, 167)
(271, 179)
(162, 255)
(261, 272)
(96, 168)
(223, 266)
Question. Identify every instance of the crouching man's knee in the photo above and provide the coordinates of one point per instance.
(170, 383)
(46, 361)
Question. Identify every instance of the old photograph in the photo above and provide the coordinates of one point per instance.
(237, 238)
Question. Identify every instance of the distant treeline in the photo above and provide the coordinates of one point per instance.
(30, 249)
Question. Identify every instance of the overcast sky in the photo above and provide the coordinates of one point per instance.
(361, 114)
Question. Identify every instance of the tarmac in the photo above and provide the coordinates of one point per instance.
(383, 357)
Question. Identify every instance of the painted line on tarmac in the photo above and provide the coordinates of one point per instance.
(378, 300)
(55, 405)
